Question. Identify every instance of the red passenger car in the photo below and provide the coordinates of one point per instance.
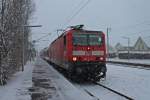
(81, 53)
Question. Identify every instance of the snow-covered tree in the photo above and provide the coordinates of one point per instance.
(14, 15)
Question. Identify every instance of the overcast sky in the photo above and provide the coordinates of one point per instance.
(130, 18)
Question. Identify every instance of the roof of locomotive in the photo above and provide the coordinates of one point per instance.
(76, 30)
(79, 30)
(82, 30)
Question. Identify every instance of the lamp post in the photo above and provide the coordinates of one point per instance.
(31, 26)
(108, 30)
(128, 39)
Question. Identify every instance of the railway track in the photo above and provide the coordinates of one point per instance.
(114, 91)
(129, 64)
(92, 94)
(105, 87)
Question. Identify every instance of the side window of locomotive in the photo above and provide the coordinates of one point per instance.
(65, 42)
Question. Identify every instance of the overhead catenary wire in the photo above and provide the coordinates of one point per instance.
(77, 12)
(75, 8)
(139, 32)
(42, 37)
(132, 26)
(70, 19)
(80, 6)
(145, 22)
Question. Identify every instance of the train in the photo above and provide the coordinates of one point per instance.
(81, 53)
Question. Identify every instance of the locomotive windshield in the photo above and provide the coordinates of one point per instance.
(87, 39)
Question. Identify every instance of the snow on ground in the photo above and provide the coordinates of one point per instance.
(140, 61)
(130, 81)
(99, 92)
(17, 87)
(65, 90)
(43, 87)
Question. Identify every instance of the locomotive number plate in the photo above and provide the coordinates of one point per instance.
(88, 53)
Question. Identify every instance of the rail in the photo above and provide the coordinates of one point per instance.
(114, 91)
(136, 65)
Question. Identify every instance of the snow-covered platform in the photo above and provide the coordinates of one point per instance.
(18, 85)
(40, 81)
(49, 84)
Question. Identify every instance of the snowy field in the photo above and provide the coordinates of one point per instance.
(17, 87)
(139, 61)
(132, 82)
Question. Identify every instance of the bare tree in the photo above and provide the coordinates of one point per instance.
(14, 15)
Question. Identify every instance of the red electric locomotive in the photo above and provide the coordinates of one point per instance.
(80, 52)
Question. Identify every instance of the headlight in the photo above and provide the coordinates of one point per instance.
(74, 58)
(101, 58)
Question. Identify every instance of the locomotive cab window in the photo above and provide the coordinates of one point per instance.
(95, 39)
(79, 39)
(85, 39)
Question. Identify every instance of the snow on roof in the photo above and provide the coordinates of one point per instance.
(139, 41)
(141, 44)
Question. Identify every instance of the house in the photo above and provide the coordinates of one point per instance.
(140, 50)
(140, 45)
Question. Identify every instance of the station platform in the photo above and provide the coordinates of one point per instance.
(48, 84)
